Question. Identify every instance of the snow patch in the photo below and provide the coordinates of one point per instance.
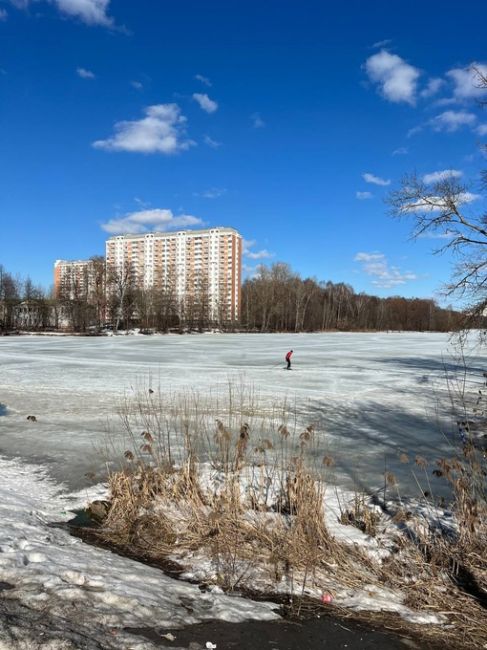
(52, 571)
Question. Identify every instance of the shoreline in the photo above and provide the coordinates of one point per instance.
(121, 333)
(70, 580)
(300, 616)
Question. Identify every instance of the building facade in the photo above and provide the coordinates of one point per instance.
(188, 263)
(74, 280)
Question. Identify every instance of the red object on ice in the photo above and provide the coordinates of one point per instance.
(326, 599)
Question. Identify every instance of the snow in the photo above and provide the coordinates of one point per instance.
(52, 571)
(255, 575)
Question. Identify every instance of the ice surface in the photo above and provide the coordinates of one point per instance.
(372, 395)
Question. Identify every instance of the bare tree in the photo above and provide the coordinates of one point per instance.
(279, 300)
(97, 284)
(9, 298)
(121, 293)
(443, 210)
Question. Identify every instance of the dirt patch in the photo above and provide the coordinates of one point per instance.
(315, 634)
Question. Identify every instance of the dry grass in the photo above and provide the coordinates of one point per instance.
(239, 516)
(224, 479)
(361, 516)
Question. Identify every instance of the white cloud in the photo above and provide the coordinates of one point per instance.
(364, 195)
(141, 203)
(451, 121)
(250, 272)
(250, 254)
(436, 235)
(20, 4)
(384, 275)
(397, 80)
(138, 85)
(162, 130)
(91, 12)
(369, 257)
(259, 255)
(205, 102)
(85, 74)
(445, 101)
(214, 144)
(436, 177)
(204, 80)
(3, 15)
(247, 244)
(383, 43)
(433, 87)
(400, 151)
(482, 129)
(375, 180)
(468, 197)
(148, 221)
(414, 130)
(212, 193)
(466, 81)
(257, 121)
(437, 203)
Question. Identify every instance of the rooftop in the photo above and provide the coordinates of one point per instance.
(177, 232)
(59, 262)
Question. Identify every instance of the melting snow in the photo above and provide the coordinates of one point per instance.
(51, 571)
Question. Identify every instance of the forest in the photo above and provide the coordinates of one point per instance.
(276, 299)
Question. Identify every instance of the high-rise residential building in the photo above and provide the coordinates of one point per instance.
(188, 263)
(74, 280)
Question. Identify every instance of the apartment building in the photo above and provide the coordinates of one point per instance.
(74, 280)
(188, 263)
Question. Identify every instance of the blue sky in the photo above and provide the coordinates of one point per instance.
(289, 121)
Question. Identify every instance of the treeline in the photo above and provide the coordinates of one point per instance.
(279, 300)
(15, 293)
(275, 300)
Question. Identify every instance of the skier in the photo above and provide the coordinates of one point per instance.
(288, 359)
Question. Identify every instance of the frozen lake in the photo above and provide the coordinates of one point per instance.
(373, 396)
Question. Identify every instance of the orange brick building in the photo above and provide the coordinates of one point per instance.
(188, 261)
(74, 280)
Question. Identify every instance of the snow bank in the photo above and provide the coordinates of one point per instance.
(95, 591)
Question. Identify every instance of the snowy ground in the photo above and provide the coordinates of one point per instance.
(372, 395)
(61, 589)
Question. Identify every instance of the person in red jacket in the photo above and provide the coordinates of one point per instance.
(288, 359)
